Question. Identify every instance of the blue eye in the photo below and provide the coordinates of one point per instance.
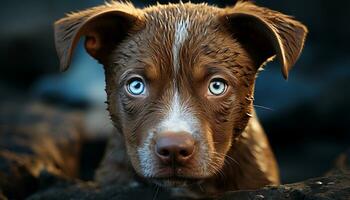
(136, 86)
(217, 87)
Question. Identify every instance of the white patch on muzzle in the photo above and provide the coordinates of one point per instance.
(145, 157)
(179, 118)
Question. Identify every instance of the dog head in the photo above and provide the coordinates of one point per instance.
(180, 77)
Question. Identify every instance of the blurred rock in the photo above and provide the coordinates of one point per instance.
(333, 186)
(36, 138)
(90, 191)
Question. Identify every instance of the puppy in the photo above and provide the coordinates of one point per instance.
(179, 82)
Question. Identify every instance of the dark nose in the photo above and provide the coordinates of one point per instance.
(175, 147)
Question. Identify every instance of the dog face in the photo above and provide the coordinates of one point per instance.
(180, 77)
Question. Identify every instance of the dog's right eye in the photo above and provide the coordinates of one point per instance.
(136, 87)
(217, 87)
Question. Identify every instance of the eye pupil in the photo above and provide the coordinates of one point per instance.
(136, 87)
(217, 87)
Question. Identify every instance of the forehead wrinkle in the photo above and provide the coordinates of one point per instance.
(174, 23)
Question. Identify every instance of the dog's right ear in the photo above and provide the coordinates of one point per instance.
(103, 27)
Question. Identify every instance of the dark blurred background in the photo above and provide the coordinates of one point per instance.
(307, 118)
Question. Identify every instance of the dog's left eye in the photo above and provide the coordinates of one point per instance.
(136, 86)
(217, 87)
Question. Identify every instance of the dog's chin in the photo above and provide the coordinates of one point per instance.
(180, 177)
(175, 182)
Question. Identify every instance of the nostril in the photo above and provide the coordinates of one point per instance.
(184, 153)
(164, 152)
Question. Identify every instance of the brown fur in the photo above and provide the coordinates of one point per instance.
(233, 43)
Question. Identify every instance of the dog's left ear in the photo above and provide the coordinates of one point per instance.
(265, 33)
(103, 27)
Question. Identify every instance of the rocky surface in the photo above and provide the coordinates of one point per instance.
(36, 138)
(333, 186)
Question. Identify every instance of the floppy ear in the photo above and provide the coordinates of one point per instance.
(103, 27)
(265, 33)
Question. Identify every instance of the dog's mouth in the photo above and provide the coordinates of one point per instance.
(174, 177)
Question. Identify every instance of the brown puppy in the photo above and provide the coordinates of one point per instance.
(180, 81)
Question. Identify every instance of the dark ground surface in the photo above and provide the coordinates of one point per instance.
(335, 186)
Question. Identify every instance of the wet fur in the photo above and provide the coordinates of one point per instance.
(234, 152)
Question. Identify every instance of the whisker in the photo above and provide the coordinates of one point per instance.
(263, 107)
(200, 187)
(156, 193)
(234, 160)
(214, 170)
(227, 156)
(217, 169)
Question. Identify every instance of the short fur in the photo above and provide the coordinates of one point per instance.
(177, 49)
